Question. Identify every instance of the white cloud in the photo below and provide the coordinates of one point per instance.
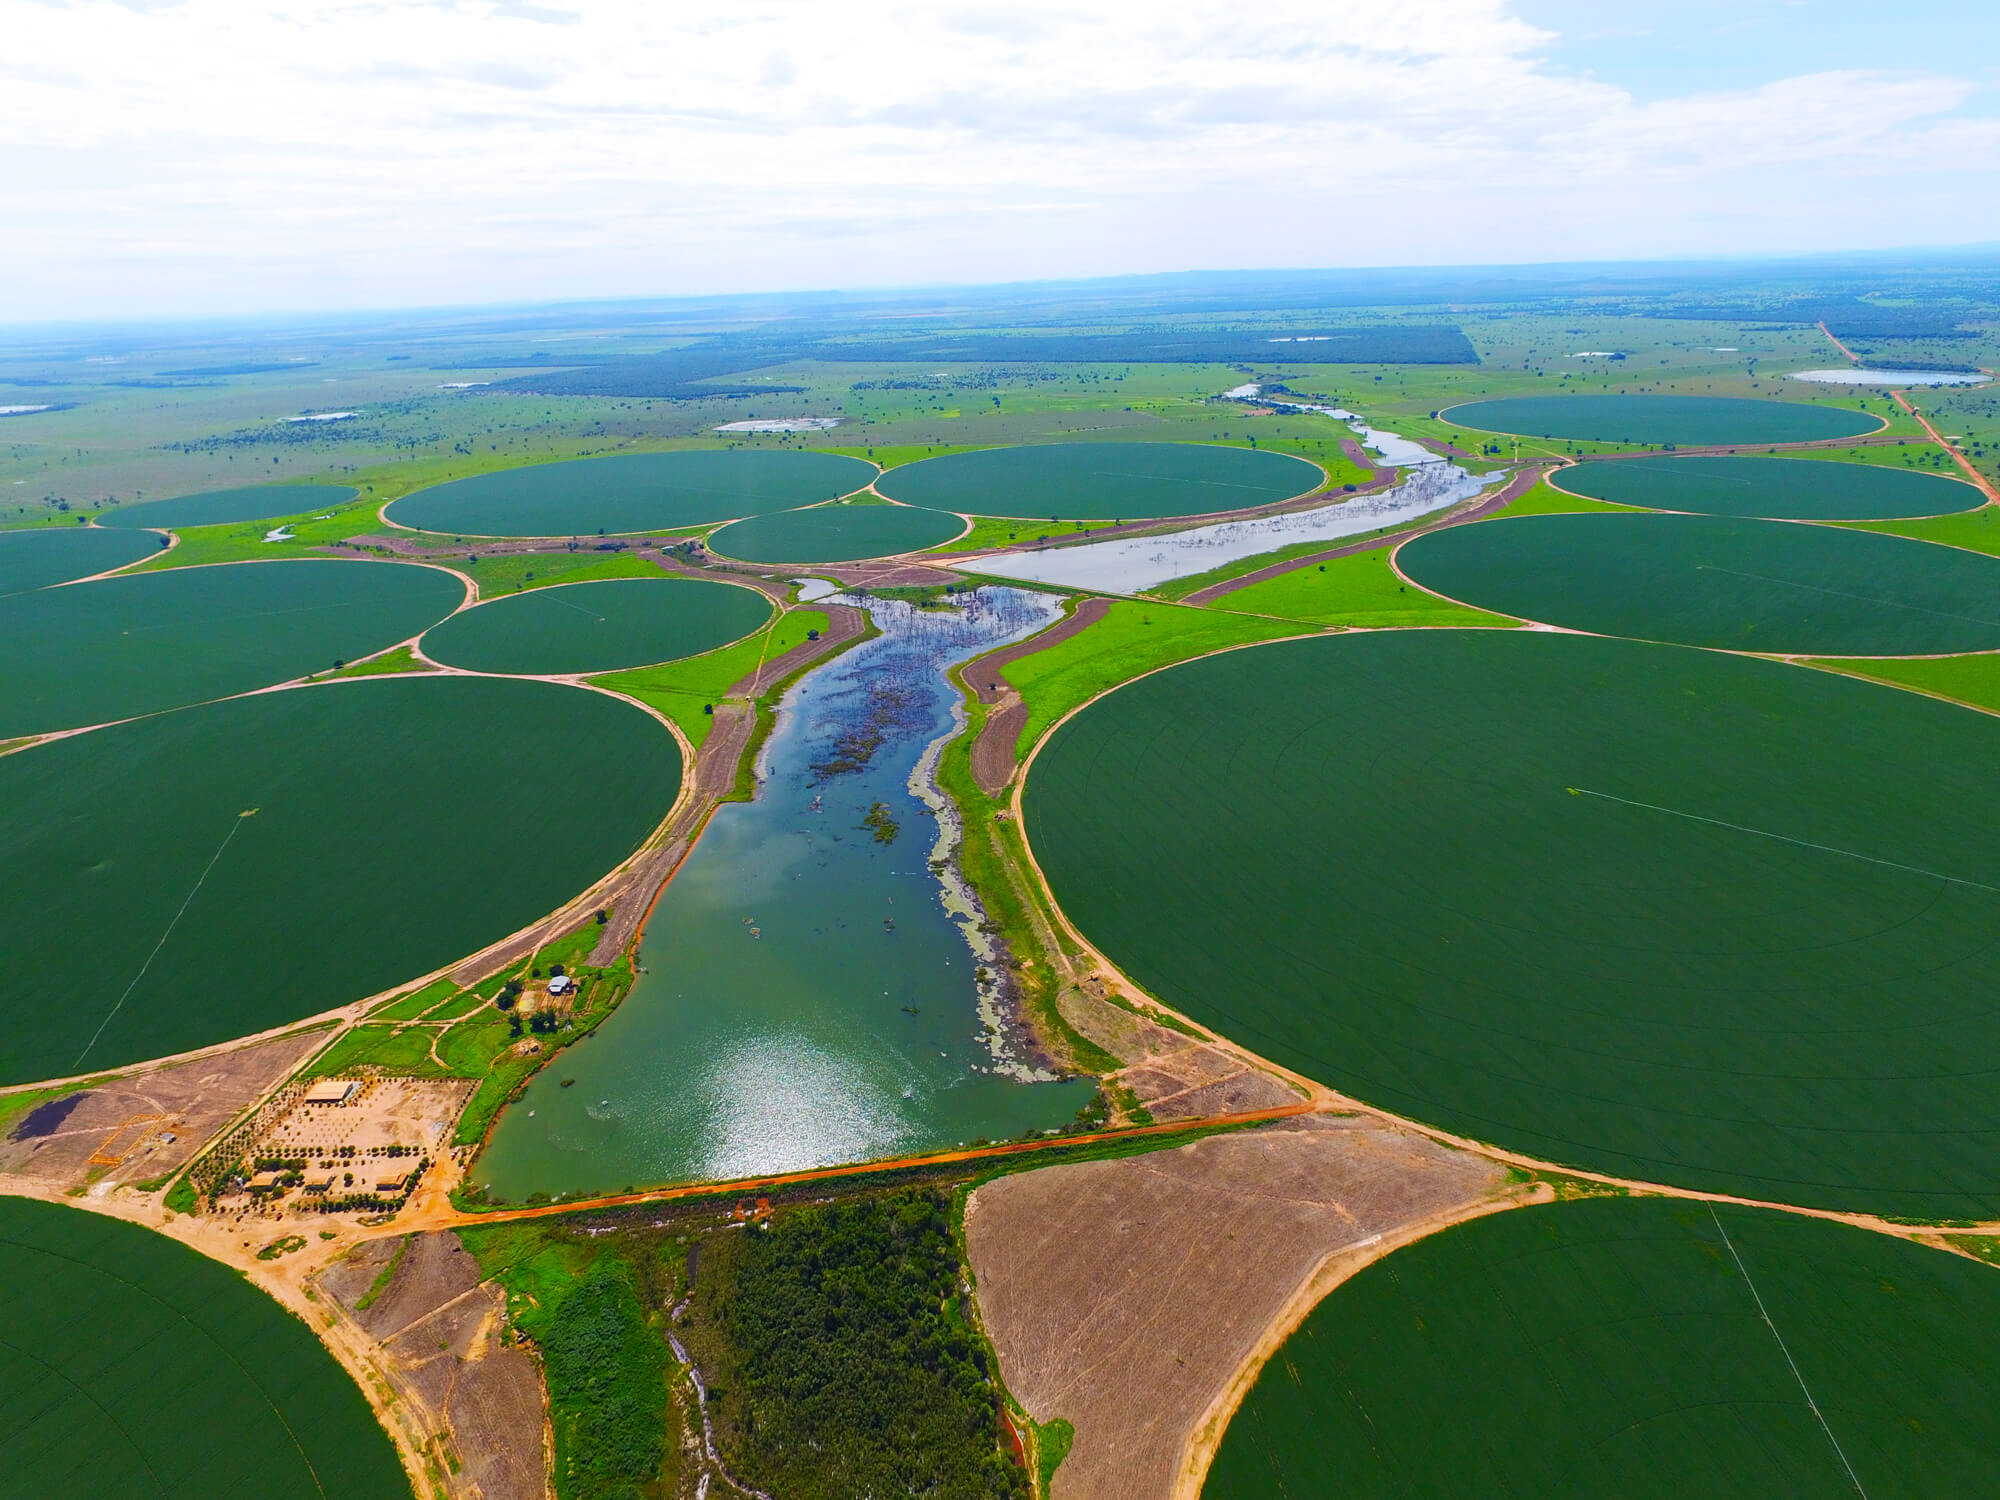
(179, 157)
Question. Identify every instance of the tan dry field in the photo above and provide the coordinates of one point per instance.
(436, 1328)
(1137, 1298)
(387, 1112)
(1175, 1076)
(115, 1133)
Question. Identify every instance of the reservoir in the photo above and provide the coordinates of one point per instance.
(806, 998)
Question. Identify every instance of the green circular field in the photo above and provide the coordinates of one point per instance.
(261, 502)
(1718, 581)
(36, 559)
(1102, 481)
(631, 493)
(138, 644)
(836, 533)
(1682, 420)
(1669, 914)
(597, 627)
(399, 824)
(1636, 1348)
(130, 1365)
(1780, 489)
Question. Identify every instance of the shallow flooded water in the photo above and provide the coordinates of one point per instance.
(808, 999)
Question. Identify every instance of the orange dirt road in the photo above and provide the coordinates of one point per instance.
(1985, 485)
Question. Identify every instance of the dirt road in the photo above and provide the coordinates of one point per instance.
(993, 751)
(1985, 485)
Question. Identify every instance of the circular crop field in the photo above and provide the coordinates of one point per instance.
(217, 507)
(135, 645)
(630, 493)
(836, 533)
(1718, 581)
(1781, 489)
(1669, 914)
(1633, 1347)
(1682, 420)
(202, 875)
(597, 627)
(133, 1366)
(36, 559)
(1102, 481)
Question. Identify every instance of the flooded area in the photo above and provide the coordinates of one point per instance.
(811, 991)
(1127, 565)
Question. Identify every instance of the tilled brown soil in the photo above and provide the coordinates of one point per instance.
(1127, 1296)
(992, 752)
(438, 1329)
(118, 1130)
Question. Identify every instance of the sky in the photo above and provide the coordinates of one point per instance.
(177, 158)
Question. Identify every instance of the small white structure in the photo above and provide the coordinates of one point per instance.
(562, 984)
(332, 1091)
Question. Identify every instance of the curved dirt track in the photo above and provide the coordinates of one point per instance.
(993, 752)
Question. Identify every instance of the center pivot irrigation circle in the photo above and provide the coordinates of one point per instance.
(1661, 913)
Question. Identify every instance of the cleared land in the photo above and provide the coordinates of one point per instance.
(124, 646)
(217, 507)
(1719, 581)
(1124, 1296)
(836, 533)
(36, 559)
(243, 864)
(631, 493)
(1102, 481)
(1633, 1347)
(1662, 913)
(597, 627)
(1360, 590)
(1779, 489)
(133, 1366)
(1681, 420)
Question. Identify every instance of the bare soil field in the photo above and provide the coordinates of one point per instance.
(385, 1112)
(144, 1126)
(1136, 1298)
(1173, 1075)
(438, 1329)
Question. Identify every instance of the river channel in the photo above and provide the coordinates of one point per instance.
(807, 998)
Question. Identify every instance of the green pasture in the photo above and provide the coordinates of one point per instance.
(132, 645)
(1101, 481)
(1132, 638)
(631, 493)
(130, 1365)
(1971, 679)
(1974, 530)
(836, 533)
(262, 502)
(1360, 591)
(683, 689)
(1779, 489)
(1663, 913)
(1719, 581)
(1639, 1348)
(200, 875)
(516, 572)
(1546, 500)
(597, 627)
(1683, 421)
(36, 559)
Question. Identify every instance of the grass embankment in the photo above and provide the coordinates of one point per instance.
(1546, 500)
(244, 541)
(842, 1357)
(401, 659)
(1975, 530)
(592, 1306)
(1964, 679)
(1131, 640)
(686, 690)
(1361, 591)
(517, 572)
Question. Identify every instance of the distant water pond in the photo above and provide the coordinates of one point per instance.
(807, 999)
(1852, 376)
